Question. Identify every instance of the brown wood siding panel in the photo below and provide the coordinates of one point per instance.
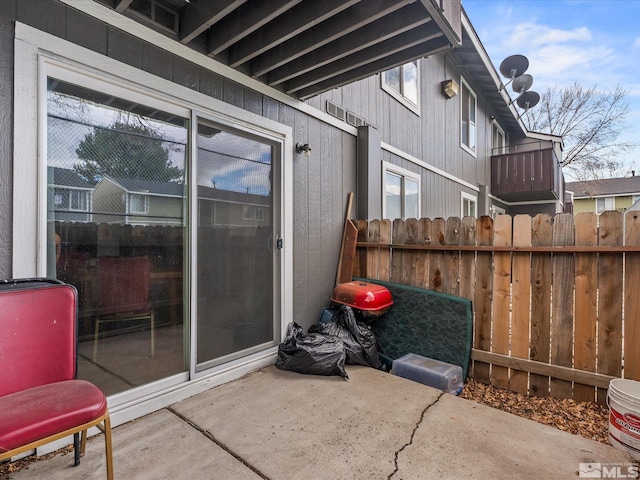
(7, 17)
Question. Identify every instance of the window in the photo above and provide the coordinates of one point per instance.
(138, 204)
(72, 200)
(401, 197)
(469, 205)
(497, 140)
(605, 204)
(468, 107)
(402, 83)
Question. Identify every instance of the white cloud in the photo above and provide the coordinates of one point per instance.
(535, 35)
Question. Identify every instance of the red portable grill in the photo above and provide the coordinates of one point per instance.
(366, 299)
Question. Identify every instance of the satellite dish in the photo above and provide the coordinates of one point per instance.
(512, 67)
(528, 100)
(522, 83)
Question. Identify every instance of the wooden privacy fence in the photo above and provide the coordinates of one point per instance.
(556, 300)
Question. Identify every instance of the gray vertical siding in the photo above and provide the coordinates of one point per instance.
(321, 182)
(7, 14)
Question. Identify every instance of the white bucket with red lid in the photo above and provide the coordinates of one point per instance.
(623, 400)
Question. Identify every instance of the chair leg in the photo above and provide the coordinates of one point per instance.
(76, 449)
(83, 442)
(107, 447)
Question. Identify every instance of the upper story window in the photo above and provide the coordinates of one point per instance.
(401, 193)
(468, 109)
(403, 84)
(498, 142)
(72, 200)
(138, 204)
(605, 204)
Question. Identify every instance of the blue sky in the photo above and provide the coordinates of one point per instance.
(593, 42)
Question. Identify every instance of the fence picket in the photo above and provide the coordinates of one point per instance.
(384, 272)
(521, 261)
(397, 259)
(502, 226)
(373, 254)
(483, 297)
(562, 306)
(451, 281)
(631, 333)
(610, 274)
(423, 259)
(410, 259)
(586, 304)
(467, 259)
(438, 229)
(541, 268)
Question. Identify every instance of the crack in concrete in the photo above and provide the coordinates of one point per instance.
(413, 434)
(210, 436)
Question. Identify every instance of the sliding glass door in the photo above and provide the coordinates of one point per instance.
(237, 246)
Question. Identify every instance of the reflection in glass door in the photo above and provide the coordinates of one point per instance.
(236, 220)
(115, 221)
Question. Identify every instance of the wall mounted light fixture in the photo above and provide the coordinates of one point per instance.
(450, 88)
(303, 148)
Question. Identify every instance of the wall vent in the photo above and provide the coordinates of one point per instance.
(158, 13)
(335, 110)
(353, 119)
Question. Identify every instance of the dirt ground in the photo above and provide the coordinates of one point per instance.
(586, 419)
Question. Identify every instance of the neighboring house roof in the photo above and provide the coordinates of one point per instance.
(65, 177)
(233, 197)
(147, 187)
(173, 189)
(605, 187)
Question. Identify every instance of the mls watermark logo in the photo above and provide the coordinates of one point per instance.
(608, 470)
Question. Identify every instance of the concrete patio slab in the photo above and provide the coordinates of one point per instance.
(280, 425)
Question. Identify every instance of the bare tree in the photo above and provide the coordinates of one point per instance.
(590, 121)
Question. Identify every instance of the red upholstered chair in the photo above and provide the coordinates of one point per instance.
(40, 398)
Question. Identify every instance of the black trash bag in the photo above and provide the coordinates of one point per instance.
(314, 353)
(359, 341)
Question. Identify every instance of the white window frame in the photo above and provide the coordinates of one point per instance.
(606, 200)
(464, 142)
(134, 199)
(398, 95)
(471, 199)
(501, 148)
(403, 173)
